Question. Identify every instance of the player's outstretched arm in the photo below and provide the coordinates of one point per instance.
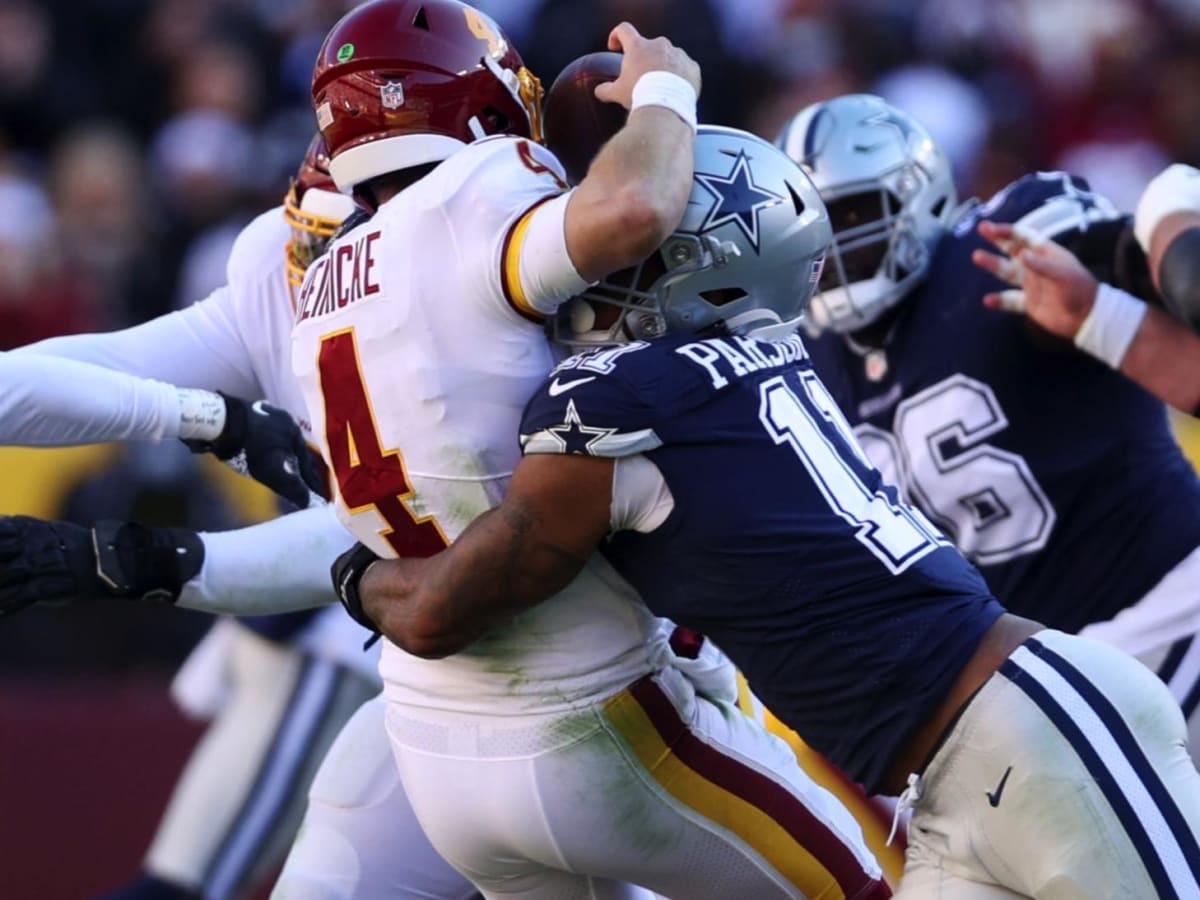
(636, 190)
(509, 559)
(277, 566)
(1054, 289)
(48, 402)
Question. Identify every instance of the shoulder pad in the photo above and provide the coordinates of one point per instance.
(589, 406)
(498, 163)
(1050, 203)
(260, 248)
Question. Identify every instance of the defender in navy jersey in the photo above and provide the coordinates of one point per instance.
(704, 458)
(1053, 473)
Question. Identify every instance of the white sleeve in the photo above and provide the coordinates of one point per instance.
(278, 566)
(537, 268)
(196, 347)
(641, 500)
(47, 402)
(506, 199)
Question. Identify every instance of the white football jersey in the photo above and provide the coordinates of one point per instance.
(417, 347)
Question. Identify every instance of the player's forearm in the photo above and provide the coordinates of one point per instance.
(56, 402)
(277, 566)
(496, 569)
(634, 195)
(1164, 358)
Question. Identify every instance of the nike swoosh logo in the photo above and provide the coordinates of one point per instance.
(260, 407)
(557, 387)
(994, 796)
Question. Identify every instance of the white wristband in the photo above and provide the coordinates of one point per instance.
(668, 90)
(201, 415)
(1110, 327)
(1175, 189)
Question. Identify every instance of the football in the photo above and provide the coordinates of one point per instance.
(576, 123)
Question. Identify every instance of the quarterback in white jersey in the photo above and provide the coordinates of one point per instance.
(417, 342)
(417, 394)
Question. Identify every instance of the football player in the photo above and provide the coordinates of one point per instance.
(279, 687)
(43, 404)
(1055, 475)
(702, 457)
(1140, 340)
(566, 755)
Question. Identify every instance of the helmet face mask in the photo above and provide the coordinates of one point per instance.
(745, 259)
(314, 210)
(890, 196)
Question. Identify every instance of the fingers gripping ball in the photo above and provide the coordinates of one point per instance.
(577, 124)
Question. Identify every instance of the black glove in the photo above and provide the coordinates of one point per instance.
(264, 442)
(56, 562)
(348, 569)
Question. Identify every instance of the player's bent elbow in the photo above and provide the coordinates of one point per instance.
(426, 635)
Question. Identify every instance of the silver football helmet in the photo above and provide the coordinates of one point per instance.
(890, 194)
(746, 257)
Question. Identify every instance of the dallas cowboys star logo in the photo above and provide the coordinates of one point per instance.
(736, 199)
(889, 117)
(574, 436)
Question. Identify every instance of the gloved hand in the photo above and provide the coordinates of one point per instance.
(264, 442)
(58, 562)
(348, 569)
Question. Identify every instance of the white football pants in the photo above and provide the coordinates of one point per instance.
(360, 839)
(1067, 776)
(1160, 630)
(656, 786)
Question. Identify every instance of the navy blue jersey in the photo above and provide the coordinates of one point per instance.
(1056, 475)
(848, 613)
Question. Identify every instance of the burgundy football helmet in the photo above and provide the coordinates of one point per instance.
(401, 83)
(313, 208)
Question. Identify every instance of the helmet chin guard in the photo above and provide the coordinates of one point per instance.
(890, 195)
(745, 259)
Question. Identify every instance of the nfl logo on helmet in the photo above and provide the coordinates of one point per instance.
(392, 95)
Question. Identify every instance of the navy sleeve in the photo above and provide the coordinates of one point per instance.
(587, 406)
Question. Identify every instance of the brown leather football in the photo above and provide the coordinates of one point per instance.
(576, 123)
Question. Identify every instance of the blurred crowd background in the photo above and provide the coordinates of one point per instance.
(138, 136)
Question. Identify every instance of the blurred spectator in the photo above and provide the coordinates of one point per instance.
(39, 94)
(98, 186)
(203, 165)
(37, 297)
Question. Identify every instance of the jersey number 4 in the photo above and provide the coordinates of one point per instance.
(368, 476)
